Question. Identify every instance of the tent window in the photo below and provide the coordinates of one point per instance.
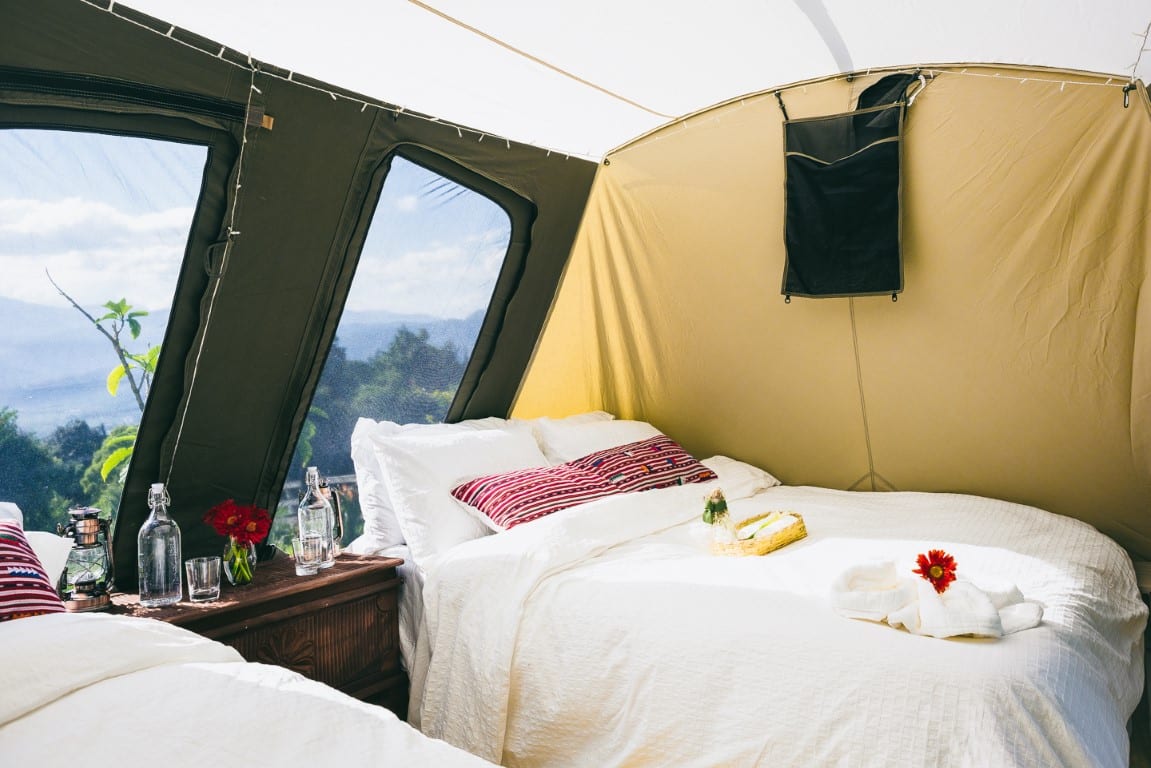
(107, 219)
(431, 259)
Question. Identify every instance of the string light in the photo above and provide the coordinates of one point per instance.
(336, 96)
(1142, 48)
(658, 133)
(399, 110)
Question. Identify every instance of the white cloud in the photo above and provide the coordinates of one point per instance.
(407, 203)
(95, 252)
(24, 216)
(444, 281)
(144, 274)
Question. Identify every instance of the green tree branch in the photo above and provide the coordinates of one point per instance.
(120, 315)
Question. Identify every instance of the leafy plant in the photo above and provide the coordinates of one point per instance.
(119, 321)
(121, 447)
(102, 486)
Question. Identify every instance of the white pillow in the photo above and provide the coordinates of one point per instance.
(738, 479)
(51, 550)
(545, 426)
(381, 529)
(420, 471)
(9, 511)
(562, 442)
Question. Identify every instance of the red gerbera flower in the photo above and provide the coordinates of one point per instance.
(938, 567)
(246, 523)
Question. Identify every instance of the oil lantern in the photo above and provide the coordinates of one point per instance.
(86, 583)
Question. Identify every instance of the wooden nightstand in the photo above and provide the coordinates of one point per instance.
(340, 627)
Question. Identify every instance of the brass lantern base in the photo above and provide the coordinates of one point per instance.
(80, 604)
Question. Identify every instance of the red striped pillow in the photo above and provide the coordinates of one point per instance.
(657, 462)
(25, 589)
(511, 498)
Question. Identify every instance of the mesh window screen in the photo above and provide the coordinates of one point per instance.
(843, 197)
(424, 281)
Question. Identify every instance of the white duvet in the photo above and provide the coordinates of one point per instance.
(98, 690)
(607, 635)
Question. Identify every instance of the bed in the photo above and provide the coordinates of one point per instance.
(102, 690)
(608, 634)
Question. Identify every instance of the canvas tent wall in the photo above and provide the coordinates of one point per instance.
(247, 338)
(1017, 364)
(1014, 365)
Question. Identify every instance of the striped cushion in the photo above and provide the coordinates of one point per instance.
(511, 498)
(25, 589)
(656, 462)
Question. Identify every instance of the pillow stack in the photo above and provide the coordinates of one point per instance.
(434, 486)
(509, 499)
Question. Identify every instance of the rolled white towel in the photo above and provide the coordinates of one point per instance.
(1020, 616)
(966, 609)
(1015, 613)
(871, 591)
(1001, 593)
(871, 574)
(963, 609)
(874, 591)
(768, 526)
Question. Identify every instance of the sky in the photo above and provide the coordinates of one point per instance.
(109, 216)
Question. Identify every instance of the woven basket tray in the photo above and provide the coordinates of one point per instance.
(761, 545)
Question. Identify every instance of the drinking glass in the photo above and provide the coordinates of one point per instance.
(203, 578)
(308, 553)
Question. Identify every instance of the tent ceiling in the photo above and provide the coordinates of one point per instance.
(633, 66)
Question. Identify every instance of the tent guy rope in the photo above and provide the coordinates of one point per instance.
(536, 60)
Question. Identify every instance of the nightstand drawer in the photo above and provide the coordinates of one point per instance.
(350, 645)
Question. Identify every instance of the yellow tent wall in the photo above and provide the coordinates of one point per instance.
(1016, 364)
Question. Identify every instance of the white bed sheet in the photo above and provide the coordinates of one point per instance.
(101, 690)
(607, 635)
(411, 601)
(411, 592)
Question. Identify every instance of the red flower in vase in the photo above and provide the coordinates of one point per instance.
(246, 523)
(938, 567)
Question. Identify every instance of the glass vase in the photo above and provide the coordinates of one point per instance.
(239, 562)
(723, 529)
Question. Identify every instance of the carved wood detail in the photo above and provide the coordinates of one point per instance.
(290, 648)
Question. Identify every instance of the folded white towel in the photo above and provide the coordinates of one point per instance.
(871, 591)
(766, 527)
(874, 591)
(1020, 616)
(963, 609)
(1001, 593)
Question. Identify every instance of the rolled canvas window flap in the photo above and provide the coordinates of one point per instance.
(843, 197)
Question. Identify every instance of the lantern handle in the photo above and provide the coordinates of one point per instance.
(110, 577)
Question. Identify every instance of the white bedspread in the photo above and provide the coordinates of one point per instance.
(607, 635)
(100, 690)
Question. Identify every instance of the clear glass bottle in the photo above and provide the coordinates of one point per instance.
(333, 498)
(316, 517)
(159, 553)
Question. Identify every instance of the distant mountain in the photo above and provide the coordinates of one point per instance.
(53, 368)
(362, 334)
